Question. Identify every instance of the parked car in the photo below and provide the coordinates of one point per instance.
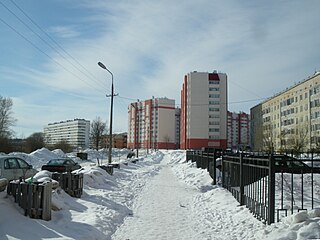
(289, 164)
(61, 165)
(285, 163)
(13, 168)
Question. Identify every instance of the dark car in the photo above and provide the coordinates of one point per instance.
(61, 165)
(284, 163)
(288, 164)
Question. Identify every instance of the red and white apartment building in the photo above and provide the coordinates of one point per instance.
(151, 124)
(204, 111)
(238, 130)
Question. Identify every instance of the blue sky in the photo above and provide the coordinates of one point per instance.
(149, 45)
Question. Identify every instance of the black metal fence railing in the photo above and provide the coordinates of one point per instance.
(271, 186)
(251, 182)
(206, 160)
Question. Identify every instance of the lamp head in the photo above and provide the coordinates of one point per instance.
(102, 65)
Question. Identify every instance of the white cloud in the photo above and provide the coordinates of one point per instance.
(150, 45)
(64, 31)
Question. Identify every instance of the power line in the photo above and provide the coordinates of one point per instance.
(134, 99)
(40, 50)
(43, 40)
(59, 46)
(205, 104)
(235, 102)
(243, 88)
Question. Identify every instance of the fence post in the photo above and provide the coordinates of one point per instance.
(214, 167)
(47, 201)
(223, 170)
(271, 191)
(241, 180)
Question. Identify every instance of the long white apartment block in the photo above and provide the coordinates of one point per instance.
(75, 132)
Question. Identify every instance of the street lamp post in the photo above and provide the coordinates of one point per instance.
(111, 111)
(137, 129)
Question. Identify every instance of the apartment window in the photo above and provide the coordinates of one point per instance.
(214, 109)
(214, 123)
(214, 95)
(213, 89)
(214, 137)
(213, 129)
(214, 82)
(214, 102)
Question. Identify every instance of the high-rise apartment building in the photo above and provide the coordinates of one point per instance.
(152, 124)
(75, 132)
(204, 111)
(238, 130)
(290, 120)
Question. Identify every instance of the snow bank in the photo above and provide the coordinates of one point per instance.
(302, 225)
(189, 173)
(44, 154)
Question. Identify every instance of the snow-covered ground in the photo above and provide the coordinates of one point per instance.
(160, 197)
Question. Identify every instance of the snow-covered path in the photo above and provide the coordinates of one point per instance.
(161, 211)
(170, 208)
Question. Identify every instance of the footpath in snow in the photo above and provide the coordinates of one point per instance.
(169, 208)
(161, 211)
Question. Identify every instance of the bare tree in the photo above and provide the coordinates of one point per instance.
(35, 141)
(317, 145)
(300, 139)
(166, 139)
(98, 128)
(6, 118)
(283, 140)
(64, 145)
(268, 138)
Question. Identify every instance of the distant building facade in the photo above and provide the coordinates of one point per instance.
(177, 127)
(151, 124)
(290, 119)
(119, 140)
(238, 130)
(204, 111)
(75, 132)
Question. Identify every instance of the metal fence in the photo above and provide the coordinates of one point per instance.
(34, 199)
(252, 182)
(260, 182)
(206, 160)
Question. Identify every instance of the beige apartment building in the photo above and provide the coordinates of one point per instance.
(151, 124)
(204, 111)
(290, 120)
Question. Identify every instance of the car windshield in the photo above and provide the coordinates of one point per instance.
(56, 162)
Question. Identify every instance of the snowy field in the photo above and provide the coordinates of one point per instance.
(160, 197)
